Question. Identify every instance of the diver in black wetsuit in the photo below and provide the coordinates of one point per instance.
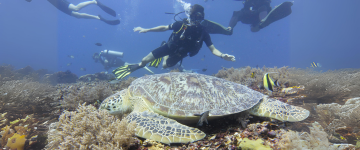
(72, 10)
(259, 14)
(186, 40)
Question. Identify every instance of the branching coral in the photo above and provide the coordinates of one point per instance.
(7, 73)
(96, 77)
(22, 96)
(337, 118)
(60, 77)
(89, 128)
(327, 87)
(89, 92)
(317, 139)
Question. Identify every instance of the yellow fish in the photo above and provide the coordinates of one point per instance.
(252, 75)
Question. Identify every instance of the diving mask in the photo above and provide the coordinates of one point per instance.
(196, 18)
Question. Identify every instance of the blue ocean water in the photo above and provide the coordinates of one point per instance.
(39, 35)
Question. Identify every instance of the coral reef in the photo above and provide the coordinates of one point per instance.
(7, 73)
(60, 77)
(89, 92)
(317, 139)
(327, 87)
(96, 77)
(23, 96)
(89, 128)
(341, 121)
(21, 133)
(243, 75)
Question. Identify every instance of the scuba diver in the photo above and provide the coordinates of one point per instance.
(110, 58)
(72, 10)
(259, 14)
(186, 40)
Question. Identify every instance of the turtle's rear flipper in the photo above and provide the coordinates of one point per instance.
(215, 28)
(279, 12)
(161, 129)
(276, 109)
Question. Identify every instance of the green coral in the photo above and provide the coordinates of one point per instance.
(247, 144)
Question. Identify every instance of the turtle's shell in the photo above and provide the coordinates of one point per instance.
(187, 94)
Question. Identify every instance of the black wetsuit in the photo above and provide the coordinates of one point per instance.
(113, 61)
(247, 16)
(62, 5)
(177, 48)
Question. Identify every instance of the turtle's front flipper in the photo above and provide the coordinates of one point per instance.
(272, 108)
(165, 130)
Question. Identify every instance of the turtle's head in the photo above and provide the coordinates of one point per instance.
(118, 103)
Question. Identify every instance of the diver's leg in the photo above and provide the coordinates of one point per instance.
(159, 52)
(84, 15)
(81, 5)
(235, 18)
(173, 60)
(262, 12)
(164, 62)
(148, 58)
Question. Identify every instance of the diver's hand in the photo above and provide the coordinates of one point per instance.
(140, 29)
(228, 57)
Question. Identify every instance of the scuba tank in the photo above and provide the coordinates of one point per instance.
(113, 53)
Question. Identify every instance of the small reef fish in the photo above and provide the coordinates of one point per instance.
(204, 69)
(113, 81)
(98, 44)
(83, 69)
(269, 83)
(315, 65)
(68, 64)
(252, 75)
(71, 56)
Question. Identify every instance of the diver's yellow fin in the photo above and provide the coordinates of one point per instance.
(122, 72)
(155, 63)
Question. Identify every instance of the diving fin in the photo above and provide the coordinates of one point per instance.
(124, 71)
(155, 63)
(215, 28)
(147, 69)
(279, 12)
(106, 9)
(110, 22)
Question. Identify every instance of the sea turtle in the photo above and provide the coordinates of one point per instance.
(157, 102)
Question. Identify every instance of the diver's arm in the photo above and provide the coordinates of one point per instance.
(155, 29)
(216, 52)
